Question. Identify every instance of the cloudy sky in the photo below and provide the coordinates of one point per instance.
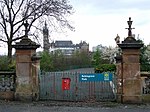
(99, 21)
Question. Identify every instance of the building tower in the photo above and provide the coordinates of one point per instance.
(46, 44)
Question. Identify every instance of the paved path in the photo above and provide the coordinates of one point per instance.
(71, 107)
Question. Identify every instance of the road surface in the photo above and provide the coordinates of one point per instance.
(53, 106)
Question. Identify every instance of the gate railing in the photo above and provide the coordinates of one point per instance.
(69, 86)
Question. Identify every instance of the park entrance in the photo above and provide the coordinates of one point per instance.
(73, 86)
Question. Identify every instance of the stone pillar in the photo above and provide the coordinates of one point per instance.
(27, 67)
(119, 77)
(130, 72)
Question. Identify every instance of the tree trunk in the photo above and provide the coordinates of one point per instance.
(9, 52)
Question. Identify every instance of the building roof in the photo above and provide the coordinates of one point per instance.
(63, 44)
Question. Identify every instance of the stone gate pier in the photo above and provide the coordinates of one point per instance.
(27, 68)
(128, 70)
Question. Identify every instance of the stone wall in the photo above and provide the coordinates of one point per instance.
(7, 85)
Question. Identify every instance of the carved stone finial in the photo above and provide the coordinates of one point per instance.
(130, 29)
(26, 24)
(117, 39)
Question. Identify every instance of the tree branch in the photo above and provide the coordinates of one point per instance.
(3, 40)
(4, 23)
(14, 12)
(17, 11)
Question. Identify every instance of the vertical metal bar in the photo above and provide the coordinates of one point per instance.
(89, 90)
(94, 93)
(54, 89)
(76, 87)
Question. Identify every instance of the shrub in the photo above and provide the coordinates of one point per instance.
(105, 68)
(5, 65)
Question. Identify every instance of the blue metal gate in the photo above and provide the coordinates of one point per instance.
(73, 86)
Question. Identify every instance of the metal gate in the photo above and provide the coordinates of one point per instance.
(73, 86)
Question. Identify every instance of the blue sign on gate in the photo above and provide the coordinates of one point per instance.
(96, 77)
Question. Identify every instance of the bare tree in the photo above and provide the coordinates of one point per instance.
(13, 14)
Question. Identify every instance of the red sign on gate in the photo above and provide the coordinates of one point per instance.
(66, 83)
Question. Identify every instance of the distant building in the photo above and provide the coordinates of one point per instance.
(100, 47)
(83, 46)
(68, 48)
(46, 44)
(65, 46)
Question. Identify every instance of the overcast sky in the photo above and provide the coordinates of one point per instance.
(99, 21)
